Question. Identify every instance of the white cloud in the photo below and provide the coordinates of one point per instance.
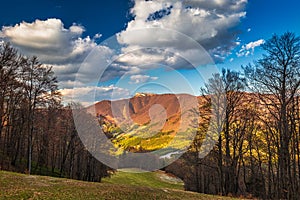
(252, 45)
(63, 48)
(76, 60)
(90, 95)
(49, 40)
(248, 49)
(97, 36)
(207, 22)
(141, 57)
(137, 79)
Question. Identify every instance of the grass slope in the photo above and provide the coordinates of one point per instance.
(148, 179)
(20, 186)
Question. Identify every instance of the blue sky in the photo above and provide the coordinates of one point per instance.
(65, 34)
(105, 17)
(265, 18)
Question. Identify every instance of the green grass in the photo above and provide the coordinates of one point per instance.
(20, 186)
(148, 179)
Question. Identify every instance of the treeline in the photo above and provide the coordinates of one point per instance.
(37, 133)
(257, 153)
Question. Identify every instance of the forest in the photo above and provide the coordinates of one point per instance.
(257, 153)
(37, 133)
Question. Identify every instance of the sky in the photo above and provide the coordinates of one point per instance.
(114, 49)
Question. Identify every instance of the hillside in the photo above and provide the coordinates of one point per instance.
(20, 186)
(148, 121)
(139, 109)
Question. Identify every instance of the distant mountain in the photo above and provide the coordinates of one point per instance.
(165, 110)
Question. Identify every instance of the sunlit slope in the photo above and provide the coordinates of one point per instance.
(18, 186)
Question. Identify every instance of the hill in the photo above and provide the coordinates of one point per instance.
(148, 121)
(142, 108)
(20, 186)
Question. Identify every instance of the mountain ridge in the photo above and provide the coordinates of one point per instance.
(143, 107)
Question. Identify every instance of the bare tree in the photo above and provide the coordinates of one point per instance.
(276, 77)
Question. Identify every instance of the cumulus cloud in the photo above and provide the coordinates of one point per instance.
(90, 95)
(63, 48)
(249, 48)
(142, 57)
(207, 22)
(137, 79)
(49, 40)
